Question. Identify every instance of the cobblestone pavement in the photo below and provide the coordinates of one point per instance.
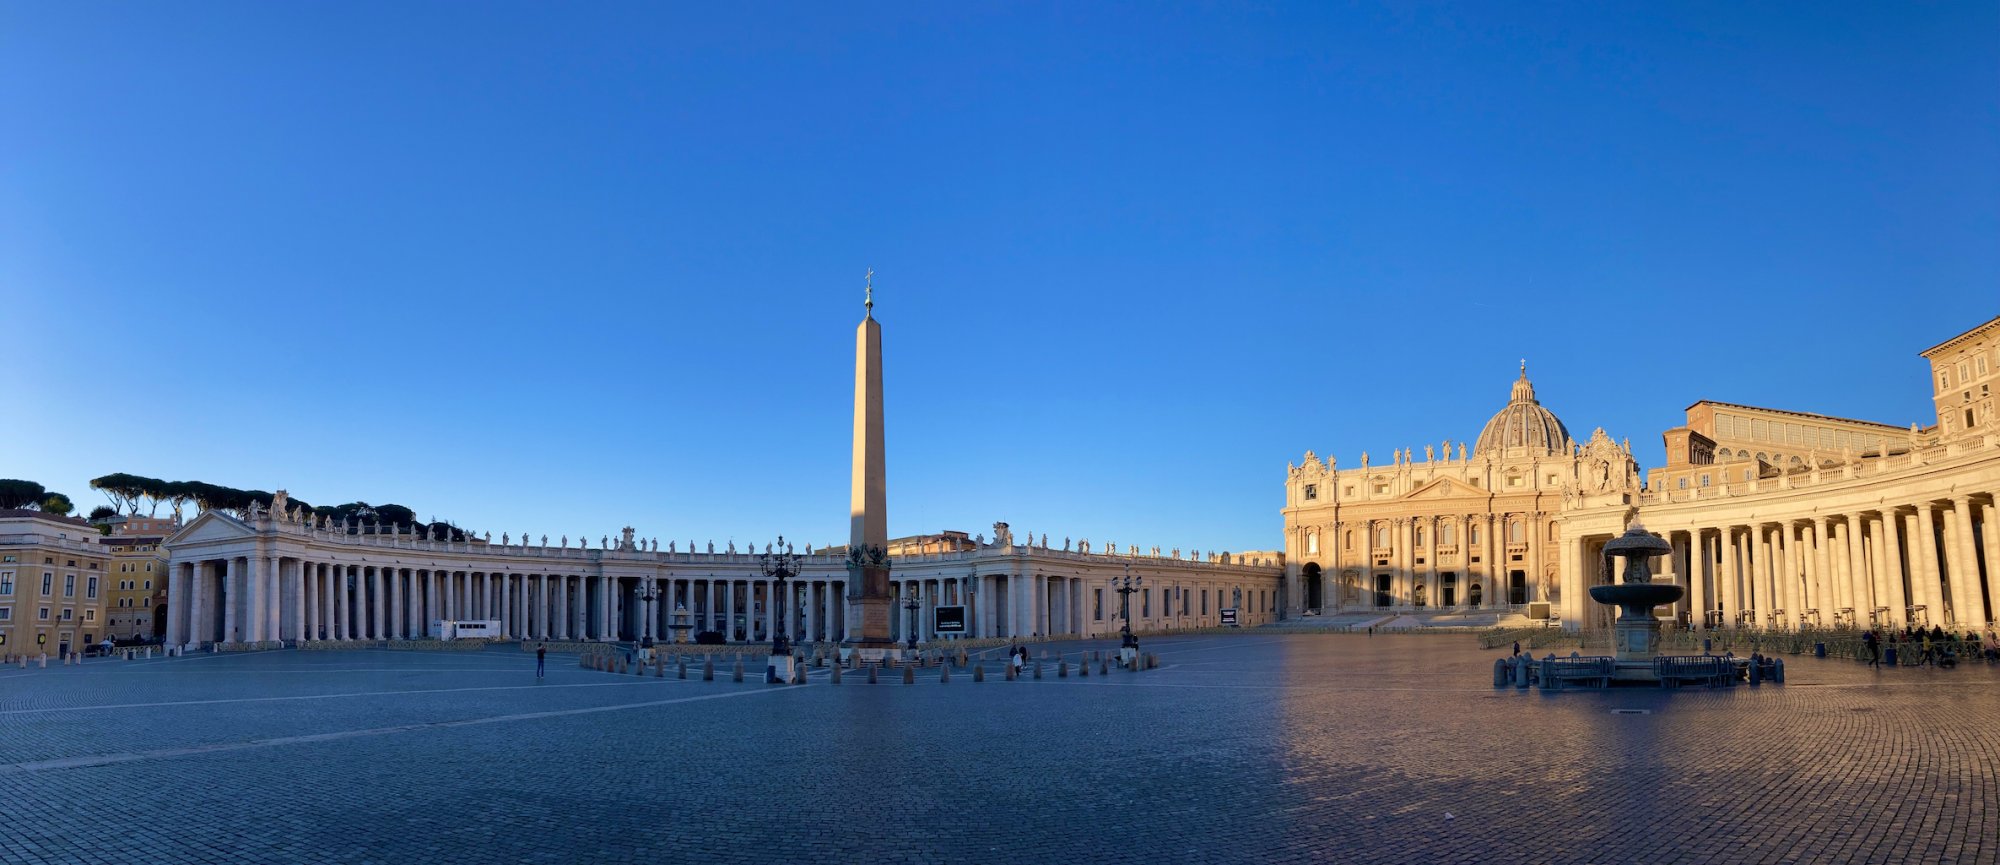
(1337, 748)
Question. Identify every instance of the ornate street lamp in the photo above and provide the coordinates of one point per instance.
(911, 590)
(647, 595)
(1125, 588)
(778, 565)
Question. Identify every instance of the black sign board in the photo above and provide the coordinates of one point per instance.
(1229, 617)
(951, 620)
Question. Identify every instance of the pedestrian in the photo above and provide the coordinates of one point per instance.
(1371, 633)
(1868, 640)
(541, 659)
(1517, 647)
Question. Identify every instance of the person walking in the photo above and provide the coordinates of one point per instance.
(1868, 640)
(1517, 647)
(541, 660)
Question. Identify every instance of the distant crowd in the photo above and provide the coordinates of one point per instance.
(1933, 648)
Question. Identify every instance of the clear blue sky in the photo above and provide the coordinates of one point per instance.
(563, 268)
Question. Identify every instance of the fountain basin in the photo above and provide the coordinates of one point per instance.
(1636, 600)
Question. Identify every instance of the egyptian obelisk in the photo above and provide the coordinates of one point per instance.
(868, 528)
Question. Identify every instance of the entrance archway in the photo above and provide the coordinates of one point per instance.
(1448, 592)
(1473, 594)
(1313, 585)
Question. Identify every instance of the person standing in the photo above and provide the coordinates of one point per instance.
(541, 659)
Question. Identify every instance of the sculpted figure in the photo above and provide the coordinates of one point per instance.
(1429, 454)
(565, 542)
(1045, 540)
(503, 539)
(670, 546)
(711, 548)
(732, 546)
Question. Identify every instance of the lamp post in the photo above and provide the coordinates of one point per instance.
(778, 566)
(911, 590)
(1125, 587)
(647, 595)
(680, 623)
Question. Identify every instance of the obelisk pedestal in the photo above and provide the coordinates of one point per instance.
(868, 528)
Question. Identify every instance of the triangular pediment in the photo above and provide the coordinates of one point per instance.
(1444, 488)
(211, 526)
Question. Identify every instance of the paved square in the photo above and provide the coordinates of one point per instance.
(1241, 748)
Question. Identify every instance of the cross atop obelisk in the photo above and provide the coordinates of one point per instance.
(868, 526)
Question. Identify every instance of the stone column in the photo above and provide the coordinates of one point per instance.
(1793, 590)
(301, 599)
(1992, 533)
(272, 614)
(1967, 600)
(232, 598)
(1731, 577)
(197, 606)
(1572, 585)
(729, 611)
(325, 621)
(1861, 589)
(1405, 559)
(1769, 598)
(1841, 570)
(1926, 570)
(1889, 569)
(1697, 590)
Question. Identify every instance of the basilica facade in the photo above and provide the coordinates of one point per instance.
(1478, 530)
(1778, 519)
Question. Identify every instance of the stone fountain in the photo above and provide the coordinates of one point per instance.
(1636, 634)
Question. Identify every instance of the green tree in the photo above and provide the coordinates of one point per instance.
(58, 504)
(16, 493)
(395, 515)
(102, 512)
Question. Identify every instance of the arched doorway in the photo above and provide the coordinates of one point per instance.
(1313, 583)
(160, 622)
(1448, 590)
(1418, 594)
(1473, 595)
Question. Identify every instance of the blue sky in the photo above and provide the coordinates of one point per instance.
(560, 269)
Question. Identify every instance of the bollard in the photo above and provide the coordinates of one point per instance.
(1819, 650)
(1103, 667)
(1010, 671)
(737, 674)
(836, 674)
(1521, 673)
(708, 670)
(1499, 672)
(799, 673)
(659, 669)
(909, 675)
(1083, 668)
(871, 675)
(1038, 669)
(639, 669)
(149, 653)
(45, 660)
(1152, 661)
(979, 673)
(1756, 669)
(944, 674)
(683, 668)
(1062, 669)
(1778, 671)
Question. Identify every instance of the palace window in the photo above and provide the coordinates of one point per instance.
(44, 614)
(1348, 540)
(1381, 538)
(1312, 543)
(1381, 489)
(6, 614)
(1098, 607)
(1204, 602)
(149, 583)
(1472, 535)
(90, 588)
(1704, 480)
(68, 614)
(1420, 536)
(1684, 483)
(1312, 492)
(6, 582)
(1517, 533)
(1445, 534)
(69, 585)
(1146, 603)
(48, 583)
(90, 615)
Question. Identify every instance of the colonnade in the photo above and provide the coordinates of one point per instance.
(1926, 563)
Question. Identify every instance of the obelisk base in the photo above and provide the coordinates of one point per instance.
(868, 631)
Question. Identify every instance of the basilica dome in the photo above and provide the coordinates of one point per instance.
(1523, 428)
